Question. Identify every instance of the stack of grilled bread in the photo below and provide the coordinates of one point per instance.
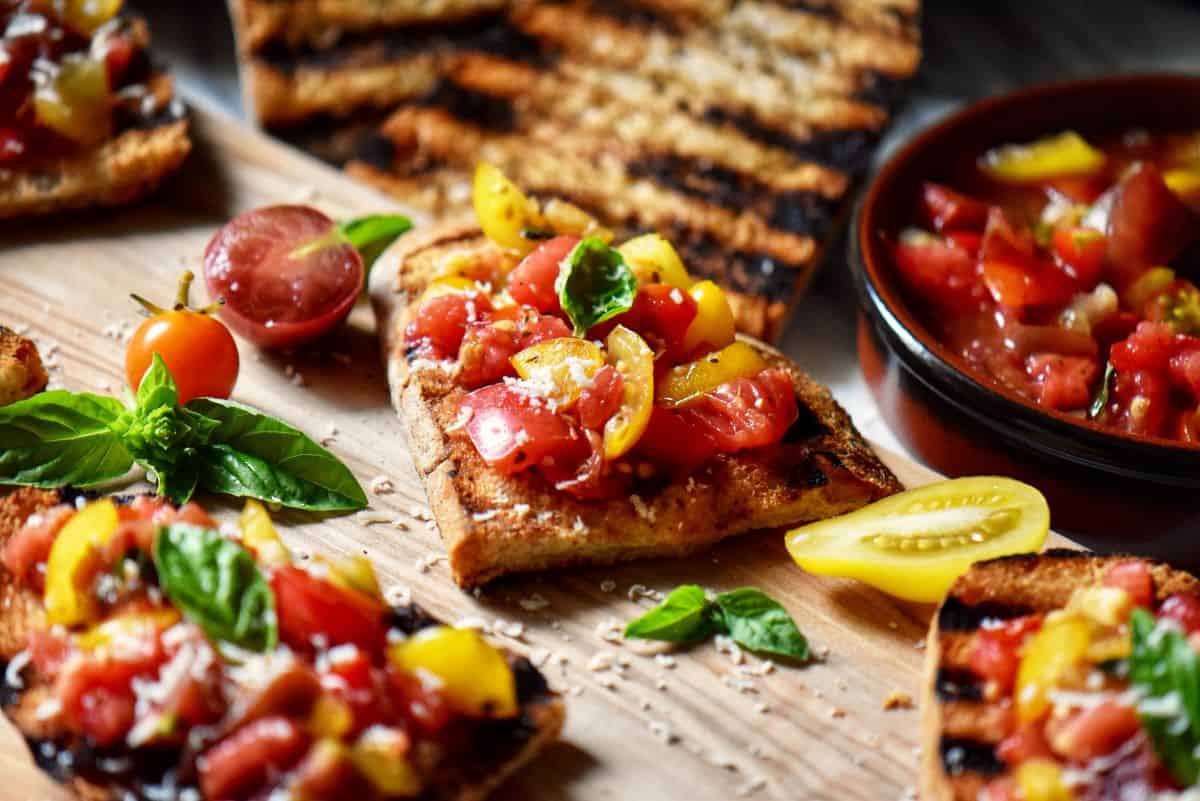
(734, 127)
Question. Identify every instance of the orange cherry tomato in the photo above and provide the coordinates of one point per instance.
(196, 347)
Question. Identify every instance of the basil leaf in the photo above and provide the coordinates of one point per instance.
(594, 284)
(1100, 401)
(371, 235)
(157, 387)
(1164, 668)
(761, 624)
(252, 455)
(215, 583)
(685, 617)
(60, 438)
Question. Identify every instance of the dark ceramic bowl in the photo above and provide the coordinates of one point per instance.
(1109, 490)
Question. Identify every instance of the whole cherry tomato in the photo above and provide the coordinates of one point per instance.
(196, 347)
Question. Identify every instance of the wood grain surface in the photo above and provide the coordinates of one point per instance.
(696, 725)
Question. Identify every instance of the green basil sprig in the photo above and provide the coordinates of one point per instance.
(748, 615)
(372, 234)
(594, 284)
(1164, 667)
(217, 585)
(60, 438)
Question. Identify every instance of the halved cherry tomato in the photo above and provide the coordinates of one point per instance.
(654, 260)
(513, 431)
(949, 210)
(714, 326)
(286, 274)
(242, 763)
(631, 357)
(916, 544)
(311, 609)
(747, 412)
(441, 321)
(599, 402)
(503, 210)
(532, 281)
(564, 367)
(485, 355)
(687, 382)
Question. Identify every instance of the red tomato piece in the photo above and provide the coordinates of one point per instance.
(1003, 789)
(661, 314)
(1081, 189)
(1150, 347)
(441, 322)
(352, 678)
(997, 651)
(942, 272)
(1080, 252)
(676, 441)
(1134, 577)
(49, 650)
(532, 282)
(420, 702)
(240, 765)
(1063, 382)
(1141, 402)
(1148, 225)
(1093, 732)
(1027, 742)
(601, 400)
(747, 412)
(970, 241)
(1015, 275)
(95, 688)
(490, 344)
(1183, 609)
(946, 209)
(30, 546)
(309, 608)
(12, 145)
(105, 714)
(1184, 366)
(1115, 327)
(513, 431)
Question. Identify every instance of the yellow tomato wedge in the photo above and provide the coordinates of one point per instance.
(654, 260)
(503, 210)
(563, 367)
(714, 323)
(1042, 780)
(474, 675)
(567, 218)
(355, 572)
(132, 628)
(1051, 656)
(450, 285)
(634, 360)
(330, 716)
(381, 753)
(689, 381)
(86, 16)
(67, 603)
(1066, 153)
(915, 544)
(260, 535)
(1183, 182)
(75, 102)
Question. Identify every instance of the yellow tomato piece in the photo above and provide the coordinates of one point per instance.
(633, 359)
(1118, 645)
(260, 535)
(126, 628)
(1051, 656)
(561, 367)
(86, 16)
(714, 323)
(1184, 182)
(330, 717)
(1066, 153)
(504, 211)
(74, 102)
(689, 381)
(1106, 606)
(653, 260)
(355, 572)
(1042, 780)
(450, 285)
(88, 530)
(567, 218)
(1138, 293)
(915, 544)
(381, 753)
(474, 675)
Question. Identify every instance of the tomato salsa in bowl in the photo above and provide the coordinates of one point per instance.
(1028, 275)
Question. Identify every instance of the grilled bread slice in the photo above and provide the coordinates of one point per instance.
(959, 729)
(493, 753)
(734, 127)
(22, 373)
(493, 524)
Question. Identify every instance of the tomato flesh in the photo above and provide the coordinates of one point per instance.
(997, 651)
(513, 431)
(243, 762)
(312, 610)
(746, 412)
(284, 273)
(532, 281)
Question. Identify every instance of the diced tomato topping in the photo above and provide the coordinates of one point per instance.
(1148, 348)
(353, 679)
(1184, 367)
(532, 282)
(1141, 402)
(419, 701)
(1027, 742)
(240, 765)
(30, 546)
(513, 431)
(970, 241)
(490, 344)
(441, 322)
(676, 441)
(1081, 252)
(1013, 271)
(1183, 609)
(310, 608)
(49, 650)
(1002, 789)
(1093, 732)
(661, 314)
(747, 412)
(1135, 578)
(1148, 225)
(601, 400)
(943, 273)
(1064, 382)
(946, 209)
(997, 651)
(105, 714)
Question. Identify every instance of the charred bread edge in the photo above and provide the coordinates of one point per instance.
(430, 445)
(543, 710)
(935, 784)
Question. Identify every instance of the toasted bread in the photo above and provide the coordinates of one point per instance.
(960, 730)
(22, 373)
(493, 525)
(493, 752)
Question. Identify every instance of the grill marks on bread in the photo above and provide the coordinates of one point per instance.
(734, 126)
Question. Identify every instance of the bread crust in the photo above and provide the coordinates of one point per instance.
(1025, 584)
(120, 171)
(22, 373)
(493, 525)
(542, 718)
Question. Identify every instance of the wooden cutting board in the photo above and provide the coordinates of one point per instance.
(697, 725)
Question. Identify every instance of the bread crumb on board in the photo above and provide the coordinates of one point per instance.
(898, 699)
